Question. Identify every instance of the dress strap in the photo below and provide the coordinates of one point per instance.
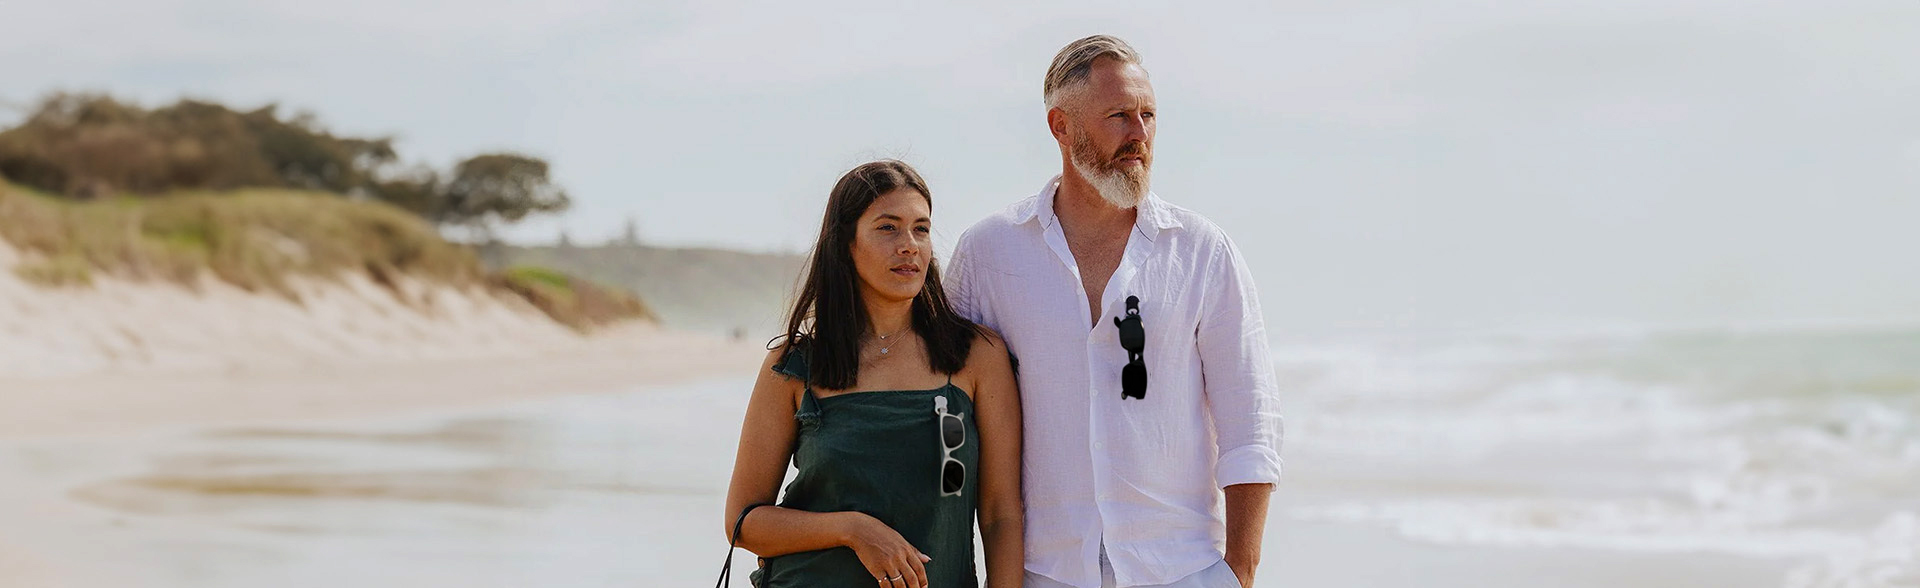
(809, 404)
(794, 365)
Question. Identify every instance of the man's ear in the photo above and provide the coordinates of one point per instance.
(1057, 122)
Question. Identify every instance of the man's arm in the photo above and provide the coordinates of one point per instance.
(1246, 525)
(1237, 368)
(960, 275)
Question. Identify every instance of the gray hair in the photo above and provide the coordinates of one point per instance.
(1074, 64)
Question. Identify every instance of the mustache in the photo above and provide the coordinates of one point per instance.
(1133, 148)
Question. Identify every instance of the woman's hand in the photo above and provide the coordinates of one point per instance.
(893, 561)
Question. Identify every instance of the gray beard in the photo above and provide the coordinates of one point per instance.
(1114, 186)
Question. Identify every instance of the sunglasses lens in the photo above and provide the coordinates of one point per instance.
(952, 477)
(1133, 380)
(952, 432)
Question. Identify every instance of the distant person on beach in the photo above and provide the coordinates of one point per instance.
(1147, 390)
(900, 415)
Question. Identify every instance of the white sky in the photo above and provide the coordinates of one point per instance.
(1383, 164)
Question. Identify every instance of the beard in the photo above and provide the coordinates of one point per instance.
(1121, 187)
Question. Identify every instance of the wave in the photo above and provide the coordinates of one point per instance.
(1763, 444)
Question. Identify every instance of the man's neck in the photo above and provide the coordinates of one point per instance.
(1082, 210)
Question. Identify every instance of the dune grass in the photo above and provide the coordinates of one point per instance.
(253, 239)
(259, 239)
(575, 302)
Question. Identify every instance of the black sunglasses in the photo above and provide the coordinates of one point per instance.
(1133, 338)
(953, 434)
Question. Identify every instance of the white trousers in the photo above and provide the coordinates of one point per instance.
(1218, 575)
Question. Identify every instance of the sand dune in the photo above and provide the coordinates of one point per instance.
(118, 325)
(123, 355)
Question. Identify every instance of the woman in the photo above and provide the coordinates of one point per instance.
(901, 417)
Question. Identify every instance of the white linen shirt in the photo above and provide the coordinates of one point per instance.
(1141, 477)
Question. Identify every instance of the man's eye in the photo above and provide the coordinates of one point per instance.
(1147, 114)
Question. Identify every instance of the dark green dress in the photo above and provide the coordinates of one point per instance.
(879, 453)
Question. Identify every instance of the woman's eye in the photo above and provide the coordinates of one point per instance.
(923, 229)
(886, 227)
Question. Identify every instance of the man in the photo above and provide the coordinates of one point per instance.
(1131, 441)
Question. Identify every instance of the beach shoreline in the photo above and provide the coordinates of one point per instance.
(121, 402)
(62, 438)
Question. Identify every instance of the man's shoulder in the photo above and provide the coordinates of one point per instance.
(999, 225)
(1193, 225)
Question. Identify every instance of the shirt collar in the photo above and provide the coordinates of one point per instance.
(1154, 216)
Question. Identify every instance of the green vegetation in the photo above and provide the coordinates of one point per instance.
(90, 185)
(575, 302)
(254, 239)
(88, 147)
(258, 239)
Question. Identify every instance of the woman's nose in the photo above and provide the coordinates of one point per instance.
(911, 244)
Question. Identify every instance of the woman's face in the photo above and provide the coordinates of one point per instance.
(892, 245)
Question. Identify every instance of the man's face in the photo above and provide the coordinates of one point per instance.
(1110, 124)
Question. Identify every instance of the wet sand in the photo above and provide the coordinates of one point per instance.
(117, 403)
(235, 478)
(621, 488)
(606, 466)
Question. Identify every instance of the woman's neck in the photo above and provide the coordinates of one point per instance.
(888, 318)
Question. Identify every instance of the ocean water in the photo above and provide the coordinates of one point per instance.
(1798, 445)
(1682, 451)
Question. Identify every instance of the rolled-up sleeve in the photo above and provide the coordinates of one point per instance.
(1237, 368)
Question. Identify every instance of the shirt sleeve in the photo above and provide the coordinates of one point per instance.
(1237, 369)
(960, 279)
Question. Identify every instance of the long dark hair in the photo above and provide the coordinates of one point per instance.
(829, 319)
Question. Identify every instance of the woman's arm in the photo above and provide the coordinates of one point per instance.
(767, 438)
(997, 415)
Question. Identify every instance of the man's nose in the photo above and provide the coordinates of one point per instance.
(1139, 128)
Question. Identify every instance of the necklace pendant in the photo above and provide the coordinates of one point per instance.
(883, 351)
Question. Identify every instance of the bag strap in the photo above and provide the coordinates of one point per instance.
(726, 568)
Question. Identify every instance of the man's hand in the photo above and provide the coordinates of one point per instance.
(1246, 524)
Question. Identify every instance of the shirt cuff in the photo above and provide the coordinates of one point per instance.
(1250, 464)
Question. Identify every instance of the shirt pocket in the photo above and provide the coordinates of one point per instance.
(1172, 325)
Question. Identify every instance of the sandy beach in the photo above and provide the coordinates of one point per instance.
(514, 486)
(94, 381)
(67, 444)
(423, 436)
(126, 402)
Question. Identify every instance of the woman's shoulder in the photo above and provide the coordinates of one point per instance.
(786, 358)
(988, 348)
(986, 334)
